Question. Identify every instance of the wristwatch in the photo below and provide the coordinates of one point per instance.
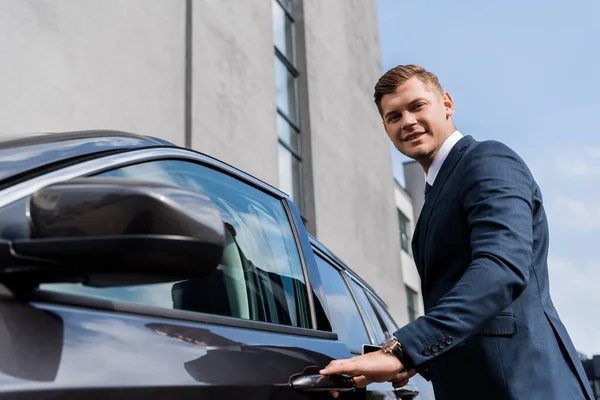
(393, 346)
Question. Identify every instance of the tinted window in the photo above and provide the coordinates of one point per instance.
(368, 311)
(260, 276)
(343, 312)
(412, 300)
(388, 325)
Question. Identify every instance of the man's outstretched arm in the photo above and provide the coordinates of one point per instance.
(496, 193)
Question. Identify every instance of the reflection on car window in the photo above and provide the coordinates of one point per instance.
(368, 311)
(343, 312)
(260, 276)
(387, 323)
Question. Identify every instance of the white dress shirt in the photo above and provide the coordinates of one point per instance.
(448, 144)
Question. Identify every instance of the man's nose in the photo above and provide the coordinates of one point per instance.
(408, 121)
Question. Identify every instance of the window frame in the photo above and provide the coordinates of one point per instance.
(404, 228)
(414, 296)
(105, 162)
(345, 278)
(380, 308)
(364, 308)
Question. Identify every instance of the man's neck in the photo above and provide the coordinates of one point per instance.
(426, 164)
(442, 152)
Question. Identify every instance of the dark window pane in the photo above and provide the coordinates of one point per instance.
(369, 312)
(288, 4)
(283, 32)
(289, 175)
(343, 313)
(260, 276)
(288, 134)
(388, 324)
(404, 234)
(285, 91)
(412, 303)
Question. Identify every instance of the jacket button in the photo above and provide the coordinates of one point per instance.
(435, 348)
(448, 341)
(443, 345)
(427, 352)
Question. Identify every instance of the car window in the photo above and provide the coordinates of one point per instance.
(260, 276)
(344, 316)
(368, 312)
(388, 325)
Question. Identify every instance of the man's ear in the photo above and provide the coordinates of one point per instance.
(448, 104)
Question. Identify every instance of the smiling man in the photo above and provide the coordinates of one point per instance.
(490, 330)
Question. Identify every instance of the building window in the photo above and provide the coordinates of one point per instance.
(404, 236)
(286, 99)
(412, 301)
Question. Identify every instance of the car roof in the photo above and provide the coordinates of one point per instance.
(28, 152)
(321, 247)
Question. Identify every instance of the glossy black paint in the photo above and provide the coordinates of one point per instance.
(28, 153)
(310, 381)
(106, 351)
(406, 394)
(110, 351)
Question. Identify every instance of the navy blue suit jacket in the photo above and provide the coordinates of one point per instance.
(490, 330)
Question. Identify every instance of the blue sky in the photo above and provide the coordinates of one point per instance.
(527, 74)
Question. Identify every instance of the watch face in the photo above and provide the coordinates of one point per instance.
(389, 344)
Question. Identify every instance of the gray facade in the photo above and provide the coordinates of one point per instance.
(415, 185)
(201, 73)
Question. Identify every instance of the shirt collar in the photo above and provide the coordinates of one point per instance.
(440, 157)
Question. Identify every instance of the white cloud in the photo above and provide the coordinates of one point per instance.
(576, 295)
(578, 214)
(580, 164)
(592, 151)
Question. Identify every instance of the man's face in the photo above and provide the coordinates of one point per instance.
(417, 119)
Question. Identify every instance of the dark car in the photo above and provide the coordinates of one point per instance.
(133, 268)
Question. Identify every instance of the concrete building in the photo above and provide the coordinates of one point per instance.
(407, 222)
(592, 370)
(281, 89)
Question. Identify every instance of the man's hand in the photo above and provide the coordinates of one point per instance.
(368, 368)
(401, 379)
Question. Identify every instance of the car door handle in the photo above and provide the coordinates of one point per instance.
(322, 383)
(406, 394)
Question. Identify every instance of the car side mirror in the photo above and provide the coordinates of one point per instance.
(112, 231)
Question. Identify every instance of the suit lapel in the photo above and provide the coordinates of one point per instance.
(447, 167)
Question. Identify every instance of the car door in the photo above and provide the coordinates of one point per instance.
(384, 326)
(245, 331)
(348, 320)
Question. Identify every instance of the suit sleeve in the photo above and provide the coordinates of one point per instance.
(496, 194)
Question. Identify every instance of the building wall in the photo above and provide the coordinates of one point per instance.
(353, 181)
(203, 75)
(410, 274)
(77, 65)
(233, 106)
(415, 186)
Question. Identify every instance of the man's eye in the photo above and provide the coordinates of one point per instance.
(418, 106)
(393, 118)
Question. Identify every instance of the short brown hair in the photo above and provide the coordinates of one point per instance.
(396, 76)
